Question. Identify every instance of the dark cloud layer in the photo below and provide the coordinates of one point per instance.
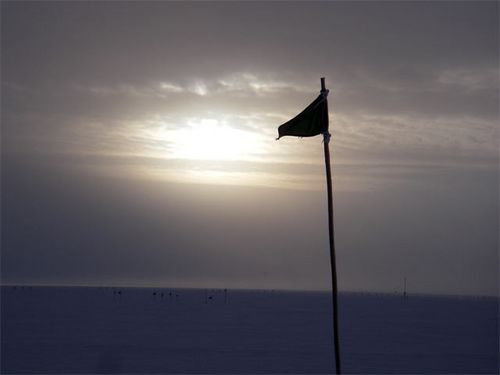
(82, 229)
(104, 43)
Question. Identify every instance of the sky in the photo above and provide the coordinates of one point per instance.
(138, 144)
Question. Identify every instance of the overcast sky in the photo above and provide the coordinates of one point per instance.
(138, 144)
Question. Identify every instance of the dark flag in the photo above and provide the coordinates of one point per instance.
(310, 122)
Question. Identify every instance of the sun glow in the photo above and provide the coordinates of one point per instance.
(210, 139)
(215, 149)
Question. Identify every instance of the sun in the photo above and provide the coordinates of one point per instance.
(215, 149)
(211, 139)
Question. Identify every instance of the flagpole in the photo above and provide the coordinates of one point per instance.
(333, 266)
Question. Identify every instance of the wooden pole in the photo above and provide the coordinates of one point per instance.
(326, 141)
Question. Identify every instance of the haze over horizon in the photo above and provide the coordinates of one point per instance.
(138, 144)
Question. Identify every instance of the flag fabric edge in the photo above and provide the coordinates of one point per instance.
(312, 121)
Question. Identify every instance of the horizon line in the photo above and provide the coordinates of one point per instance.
(284, 290)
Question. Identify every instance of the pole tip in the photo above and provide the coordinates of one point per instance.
(323, 88)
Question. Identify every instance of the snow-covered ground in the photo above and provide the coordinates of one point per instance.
(96, 330)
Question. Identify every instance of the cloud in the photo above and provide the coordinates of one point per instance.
(171, 87)
(133, 128)
(421, 137)
(470, 80)
(243, 84)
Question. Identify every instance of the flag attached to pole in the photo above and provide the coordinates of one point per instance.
(310, 122)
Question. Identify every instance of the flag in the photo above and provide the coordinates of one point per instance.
(310, 122)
